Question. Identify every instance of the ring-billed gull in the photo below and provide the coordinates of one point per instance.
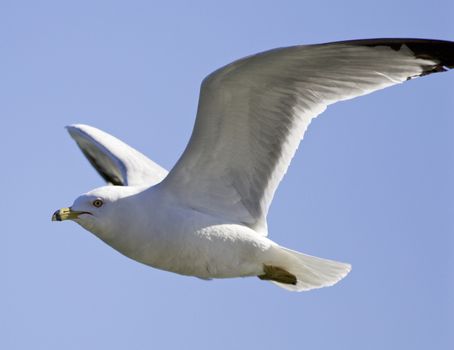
(207, 216)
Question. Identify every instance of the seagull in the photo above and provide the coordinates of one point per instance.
(207, 216)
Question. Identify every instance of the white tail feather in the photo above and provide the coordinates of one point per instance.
(311, 272)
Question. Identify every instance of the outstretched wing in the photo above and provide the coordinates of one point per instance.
(253, 113)
(118, 163)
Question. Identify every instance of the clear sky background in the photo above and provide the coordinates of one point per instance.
(372, 183)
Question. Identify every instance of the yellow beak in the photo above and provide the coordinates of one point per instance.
(67, 214)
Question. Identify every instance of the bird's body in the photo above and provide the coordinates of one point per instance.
(162, 233)
(207, 216)
(183, 240)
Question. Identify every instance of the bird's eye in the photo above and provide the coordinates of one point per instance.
(98, 203)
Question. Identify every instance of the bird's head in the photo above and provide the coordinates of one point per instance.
(98, 211)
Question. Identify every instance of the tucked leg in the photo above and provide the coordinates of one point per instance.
(274, 273)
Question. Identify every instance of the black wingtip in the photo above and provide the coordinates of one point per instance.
(441, 51)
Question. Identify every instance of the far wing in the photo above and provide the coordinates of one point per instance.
(253, 113)
(118, 163)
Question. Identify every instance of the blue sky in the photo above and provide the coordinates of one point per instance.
(372, 183)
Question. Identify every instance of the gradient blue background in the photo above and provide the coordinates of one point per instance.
(372, 183)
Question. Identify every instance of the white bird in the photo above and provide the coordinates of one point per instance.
(207, 216)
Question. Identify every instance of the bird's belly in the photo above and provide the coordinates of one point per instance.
(207, 251)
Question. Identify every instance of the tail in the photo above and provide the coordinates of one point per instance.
(304, 272)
